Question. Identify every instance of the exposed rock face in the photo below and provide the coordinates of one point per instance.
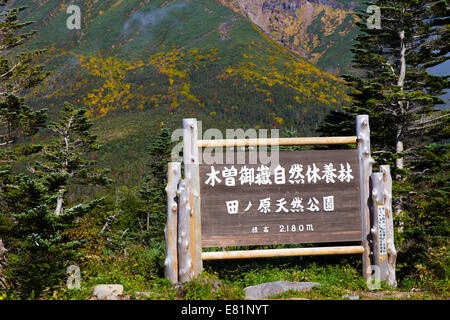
(308, 27)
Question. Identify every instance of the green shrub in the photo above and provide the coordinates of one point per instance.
(207, 286)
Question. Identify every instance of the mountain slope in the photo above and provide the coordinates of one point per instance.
(319, 30)
(114, 61)
(136, 63)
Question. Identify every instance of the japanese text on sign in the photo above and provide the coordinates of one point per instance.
(297, 174)
(305, 197)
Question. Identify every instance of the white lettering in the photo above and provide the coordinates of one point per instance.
(74, 279)
(74, 21)
(232, 206)
(374, 21)
(212, 177)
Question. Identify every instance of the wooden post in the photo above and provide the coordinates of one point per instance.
(171, 262)
(378, 229)
(275, 141)
(365, 170)
(186, 271)
(391, 251)
(291, 252)
(192, 176)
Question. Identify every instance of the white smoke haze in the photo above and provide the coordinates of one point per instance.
(152, 17)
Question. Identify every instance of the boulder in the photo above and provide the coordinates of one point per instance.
(264, 290)
(108, 292)
(143, 294)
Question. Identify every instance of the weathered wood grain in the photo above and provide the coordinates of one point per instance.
(391, 251)
(185, 271)
(276, 141)
(220, 228)
(365, 170)
(171, 261)
(378, 230)
(191, 173)
(291, 252)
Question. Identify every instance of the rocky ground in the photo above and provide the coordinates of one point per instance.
(277, 290)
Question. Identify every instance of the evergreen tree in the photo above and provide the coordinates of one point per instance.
(17, 119)
(399, 95)
(40, 247)
(16, 75)
(65, 159)
(394, 87)
(153, 190)
(20, 72)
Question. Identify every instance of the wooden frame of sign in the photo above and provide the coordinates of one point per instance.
(308, 197)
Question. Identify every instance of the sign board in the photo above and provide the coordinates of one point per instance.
(382, 251)
(307, 197)
(291, 197)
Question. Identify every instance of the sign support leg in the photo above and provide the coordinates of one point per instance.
(391, 251)
(171, 262)
(186, 271)
(365, 170)
(378, 230)
(192, 176)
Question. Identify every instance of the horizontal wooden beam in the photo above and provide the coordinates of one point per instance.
(267, 253)
(275, 141)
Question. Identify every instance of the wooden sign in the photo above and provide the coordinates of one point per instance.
(298, 197)
(308, 197)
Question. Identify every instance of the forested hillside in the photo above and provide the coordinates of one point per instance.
(320, 31)
(164, 60)
(174, 55)
(87, 114)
